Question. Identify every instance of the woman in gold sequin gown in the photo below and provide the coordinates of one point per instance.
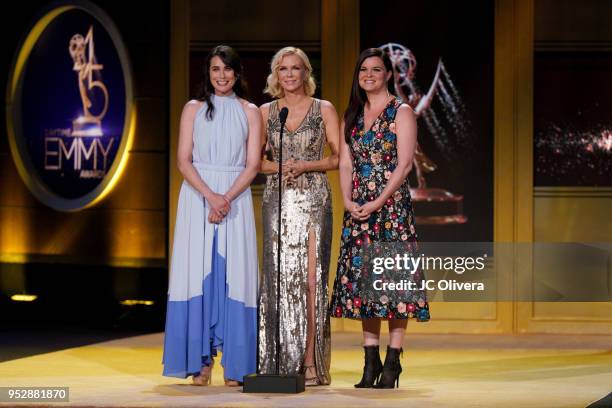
(306, 222)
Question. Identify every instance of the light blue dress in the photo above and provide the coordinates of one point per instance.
(212, 297)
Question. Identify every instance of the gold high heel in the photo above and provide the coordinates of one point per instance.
(232, 383)
(311, 381)
(205, 376)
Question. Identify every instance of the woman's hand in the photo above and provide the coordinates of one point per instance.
(354, 209)
(294, 168)
(219, 207)
(214, 217)
(367, 209)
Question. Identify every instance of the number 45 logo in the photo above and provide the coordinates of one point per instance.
(83, 54)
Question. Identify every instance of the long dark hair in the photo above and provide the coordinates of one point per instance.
(230, 58)
(358, 96)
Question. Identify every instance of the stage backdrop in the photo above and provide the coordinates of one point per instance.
(129, 224)
(442, 52)
(572, 146)
(117, 246)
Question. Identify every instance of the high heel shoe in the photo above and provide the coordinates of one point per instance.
(232, 383)
(205, 376)
(372, 367)
(391, 369)
(312, 380)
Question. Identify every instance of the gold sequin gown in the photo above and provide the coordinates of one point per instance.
(306, 205)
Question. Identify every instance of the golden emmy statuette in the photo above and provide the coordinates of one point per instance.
(85, 65)
(434, 205)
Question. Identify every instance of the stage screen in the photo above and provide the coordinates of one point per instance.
(572, 122)
(443, 59)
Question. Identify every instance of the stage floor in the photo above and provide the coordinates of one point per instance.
(439, 371)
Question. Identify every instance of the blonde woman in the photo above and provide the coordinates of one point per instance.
(306, 221)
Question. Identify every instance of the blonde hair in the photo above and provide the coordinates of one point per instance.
(273, 88)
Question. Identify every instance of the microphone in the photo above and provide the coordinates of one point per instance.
(282, 116)
(291, 383)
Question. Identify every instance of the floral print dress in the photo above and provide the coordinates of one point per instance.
(374, 155)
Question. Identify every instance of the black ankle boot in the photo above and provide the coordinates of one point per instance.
(371, 369)
(391, 370)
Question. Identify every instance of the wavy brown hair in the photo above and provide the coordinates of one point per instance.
(358, 96)
(206, 89)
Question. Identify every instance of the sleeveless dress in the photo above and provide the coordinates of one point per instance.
(213, 270)
(306, 206)
(374, 156)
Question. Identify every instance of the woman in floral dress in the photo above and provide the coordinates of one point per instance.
(376, 155)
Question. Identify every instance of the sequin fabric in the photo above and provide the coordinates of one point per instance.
(306, 207)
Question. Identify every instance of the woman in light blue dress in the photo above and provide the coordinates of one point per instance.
(212, 302)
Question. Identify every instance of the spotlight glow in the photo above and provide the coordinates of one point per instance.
(24, 298)
(135, 302)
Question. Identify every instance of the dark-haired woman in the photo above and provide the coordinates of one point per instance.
(212, 304)
(376, 154)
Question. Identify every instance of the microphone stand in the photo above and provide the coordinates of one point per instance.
(283, 119)
(277, 383)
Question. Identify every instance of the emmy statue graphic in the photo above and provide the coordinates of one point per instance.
(436, 205)
(89, 124)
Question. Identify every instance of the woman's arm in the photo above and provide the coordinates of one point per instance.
(253, 161)
(346, 171)
(406, 132)
(346, 176)
(267, 166)
(216, 201)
